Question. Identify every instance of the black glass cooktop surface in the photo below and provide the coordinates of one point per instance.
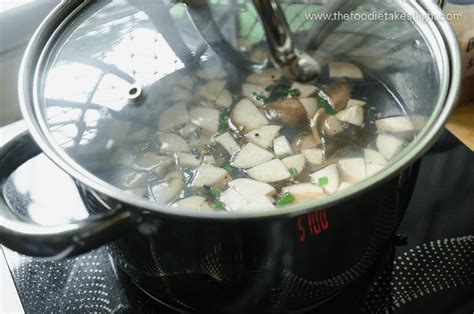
(433, 272)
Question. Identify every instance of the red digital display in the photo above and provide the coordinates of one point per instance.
(312, 224)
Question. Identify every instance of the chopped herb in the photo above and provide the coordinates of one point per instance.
(293, 172)
(284, 199)
(323, 181)
(191, 192)
(259, 97)
(219, 205)
(269, 88)
(223, 122)
(282, 91)
(405, 145)
(284, 156)
(231, 170)
(295, 92)
(323, 103)
(215, 191)
(371, 111)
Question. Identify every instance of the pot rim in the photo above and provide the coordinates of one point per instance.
(31, 111)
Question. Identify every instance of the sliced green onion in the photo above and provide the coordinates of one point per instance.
(191, 192)
(282, 91)
(371, 111)
(223, 122)
(219, 205)
(269, 88)
(323, 181)
(259, 96)
(284, 156)
(295, 92)
(323, 103)
(284, 199)
(293, 172)
(231, 170)
(215, 191)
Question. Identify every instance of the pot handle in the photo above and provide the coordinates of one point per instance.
(52, 242)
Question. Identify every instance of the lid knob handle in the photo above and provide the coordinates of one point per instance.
(280, 43)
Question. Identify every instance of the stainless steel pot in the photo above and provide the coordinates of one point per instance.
(75, 76)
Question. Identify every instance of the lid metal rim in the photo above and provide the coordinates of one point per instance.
(31, 110)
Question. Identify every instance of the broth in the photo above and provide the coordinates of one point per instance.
(256, 142)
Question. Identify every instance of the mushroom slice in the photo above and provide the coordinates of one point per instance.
(250, 190)
(139, 136)
(355, 102)
(116, 130)
(187, 160)
(256, 93)
(194, 202)
(353, 115)
(303, 141)
(374, 157)
(259, 54)
(398, 124)
(140, 192)
(206, 118)
(332, 126)
(247, 115)
(310, 105)
(344, 185)
(263, 136)
(187, 82)
(327, 178)
(271, 171)
(281, 146)
(180, 94)
(419, 121)
(188, 129)
(199, 142)
(209, 175)
(352, 169)
(134, 179)
(338, 95)
(266, 77)
(315, 124)
(169, 189)
(373, 169)
(209, 159)
(224, 100)
(211, 90)
(314, 156)
(305, 90)
(233, 200)
(228, 142)
(211, 73)
(174, 116)
(342, 70)
(171, 142)
(388, 145)
(250, 156)
(261, 203)
(153, 162)
(206, 207)
(287, 111)
(296, 162)
(304, 191)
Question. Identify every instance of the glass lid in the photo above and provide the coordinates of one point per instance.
(181, 104)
